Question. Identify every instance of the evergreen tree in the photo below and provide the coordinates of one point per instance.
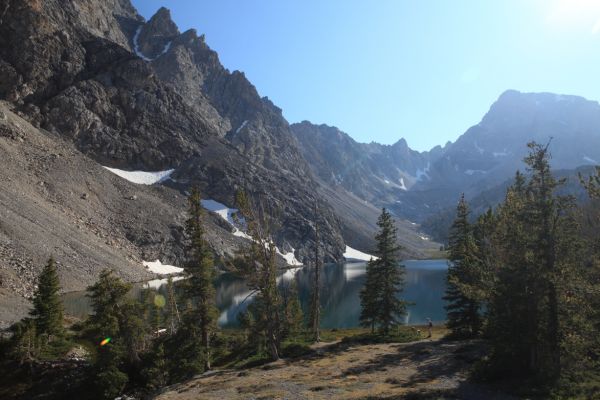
(258, 265)
(118, 319)
(315, 305)
(385, 280)
(536, 318)
(392, 273)
(463, 290)
(369, 296)
(508, 314)
(47, 307)
(155, 371)
(186, 350)
(201, 271)
(292, 311)
(173, 318)
(24, 343)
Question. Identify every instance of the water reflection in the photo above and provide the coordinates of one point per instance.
(340, 302)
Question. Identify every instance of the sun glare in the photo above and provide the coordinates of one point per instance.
(575, 14)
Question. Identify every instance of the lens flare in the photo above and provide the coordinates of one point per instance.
(159, 300)
(105, 341)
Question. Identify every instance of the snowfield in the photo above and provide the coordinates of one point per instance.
(354, 255)
(159, 268)
(289, 257)
(228, 215)
(142, 177)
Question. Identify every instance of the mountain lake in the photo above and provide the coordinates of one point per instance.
(340, 288)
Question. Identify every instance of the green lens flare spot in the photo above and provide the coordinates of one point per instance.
(159, 300)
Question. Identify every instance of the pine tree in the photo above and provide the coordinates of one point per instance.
(385, 280)
(155, 371)
(258, 265)
(24, 343)
(201, 271)
(292, 310)
(108, 297)
(509, 318)
(463, 291)
(173, 318)
(315, 305)
(118, 318)
(47, 307)
(392, 273)
(536, 317)
(369, 296)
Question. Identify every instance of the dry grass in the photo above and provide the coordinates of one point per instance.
(350, 371)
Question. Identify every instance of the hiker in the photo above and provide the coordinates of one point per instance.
(429, 327)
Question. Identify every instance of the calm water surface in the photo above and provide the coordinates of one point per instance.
(340, 302)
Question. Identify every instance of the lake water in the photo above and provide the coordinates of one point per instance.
(340, 302)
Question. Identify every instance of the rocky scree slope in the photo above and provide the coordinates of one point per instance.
(56, 201)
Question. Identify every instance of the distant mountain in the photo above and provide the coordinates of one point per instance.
(372, 171)
(492, 150)
(418, 185)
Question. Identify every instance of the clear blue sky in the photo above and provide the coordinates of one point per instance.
(385, 69)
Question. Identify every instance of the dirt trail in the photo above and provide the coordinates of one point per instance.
(427, 369)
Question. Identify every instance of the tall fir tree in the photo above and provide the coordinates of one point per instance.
(536, 316)
(201, 271)
(463, 289)
(380, 302)
(47, 307)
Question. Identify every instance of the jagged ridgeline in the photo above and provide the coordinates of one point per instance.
(139, 95)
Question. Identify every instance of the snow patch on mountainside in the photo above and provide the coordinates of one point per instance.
(242, 126)
(590, 160)
(221, 209)
(289, 257)
(142, 177)
(355, 255)
(159, 268)
(423, 173)
(136, 47)
(165, 49)
(229, 215)
(402, 185)
(138, 52)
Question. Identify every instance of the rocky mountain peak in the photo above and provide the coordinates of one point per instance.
(155, 37)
